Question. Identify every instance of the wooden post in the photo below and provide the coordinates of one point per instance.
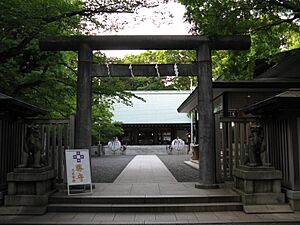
(196, 127)
(83, 121)
(71, 134)
(207, 162)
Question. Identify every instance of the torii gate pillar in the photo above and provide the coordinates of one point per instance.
(83, 122)
(207, 178)
(203, 45)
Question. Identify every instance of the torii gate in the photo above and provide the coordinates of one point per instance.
(202, 68)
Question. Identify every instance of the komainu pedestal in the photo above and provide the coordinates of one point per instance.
(28, 190)
(260, 186)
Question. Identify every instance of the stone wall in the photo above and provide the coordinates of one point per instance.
(140, 150)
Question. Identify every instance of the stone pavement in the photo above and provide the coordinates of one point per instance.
(132, 182)
(147, 175)
(233, 217)
(145, 169)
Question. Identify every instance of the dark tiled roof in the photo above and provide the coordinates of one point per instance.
(18, 107)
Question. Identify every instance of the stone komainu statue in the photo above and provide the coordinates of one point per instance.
(32, 148)
(256, 148)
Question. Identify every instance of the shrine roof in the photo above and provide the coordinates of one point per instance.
(288, 100)
(18, 107)
(220, 87)
(159, 107)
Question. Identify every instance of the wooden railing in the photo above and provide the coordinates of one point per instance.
(11, 145)
(230, 141)
(280, 148)
(57, 135)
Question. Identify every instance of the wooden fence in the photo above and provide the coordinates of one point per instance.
(57, 135)
(281, 152)
(11, 145)
(230, 141)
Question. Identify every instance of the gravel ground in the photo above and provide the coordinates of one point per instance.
(107, 168)
(181, 171)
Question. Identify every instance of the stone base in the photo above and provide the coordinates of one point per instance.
(195, 152)
(293, 198)
(2, 194)
(28, 190)
(261, 198)
(206, 186)
(259, 187)
(23, 210)
(259, 209)
(27, 200)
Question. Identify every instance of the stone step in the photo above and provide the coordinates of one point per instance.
(56, 199)
(191, 207)
(258, 209)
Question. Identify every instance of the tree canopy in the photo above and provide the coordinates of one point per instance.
(272, 24)
(48, 79)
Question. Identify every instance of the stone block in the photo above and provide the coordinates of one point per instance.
(30, 174)
(258, 186)
(257, 173)
(283, 208)
(23, 210)
(26, 200)
(293, 197)
(263, 198)
(28, 190)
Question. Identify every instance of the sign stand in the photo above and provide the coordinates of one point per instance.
(78, 168)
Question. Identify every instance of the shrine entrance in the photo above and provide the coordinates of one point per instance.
(202, 68)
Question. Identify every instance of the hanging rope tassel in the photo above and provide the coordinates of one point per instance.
(108, 70)
(131, 71)
(156, 67)
(176, 70)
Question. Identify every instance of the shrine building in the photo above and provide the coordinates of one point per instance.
(153, 120)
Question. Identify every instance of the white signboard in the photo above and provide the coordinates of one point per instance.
(78, 167)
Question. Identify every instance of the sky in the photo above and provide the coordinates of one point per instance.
(174, 26)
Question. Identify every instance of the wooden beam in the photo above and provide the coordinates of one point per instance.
(129, 70)
(145, 42)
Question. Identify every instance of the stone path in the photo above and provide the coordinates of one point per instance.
(161, 182)
(233, 217)
(145, 169)
(148, 175)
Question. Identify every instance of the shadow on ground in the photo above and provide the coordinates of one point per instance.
(181, 171)
(107, 168)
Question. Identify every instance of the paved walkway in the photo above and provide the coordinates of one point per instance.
(132, 182)
(145, 169)
(233, 217)
(147, 175)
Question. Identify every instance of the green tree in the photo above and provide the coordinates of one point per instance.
(103, 128)
(48, 79)
(272, 24)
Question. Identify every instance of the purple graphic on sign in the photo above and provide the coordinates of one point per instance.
(78, 157)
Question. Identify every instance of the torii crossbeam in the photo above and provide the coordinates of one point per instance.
(138, 70)
(203, 69)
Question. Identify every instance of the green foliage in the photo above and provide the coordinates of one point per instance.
(103, 129)
(272, 24)
(158, 83)
(48, 79)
